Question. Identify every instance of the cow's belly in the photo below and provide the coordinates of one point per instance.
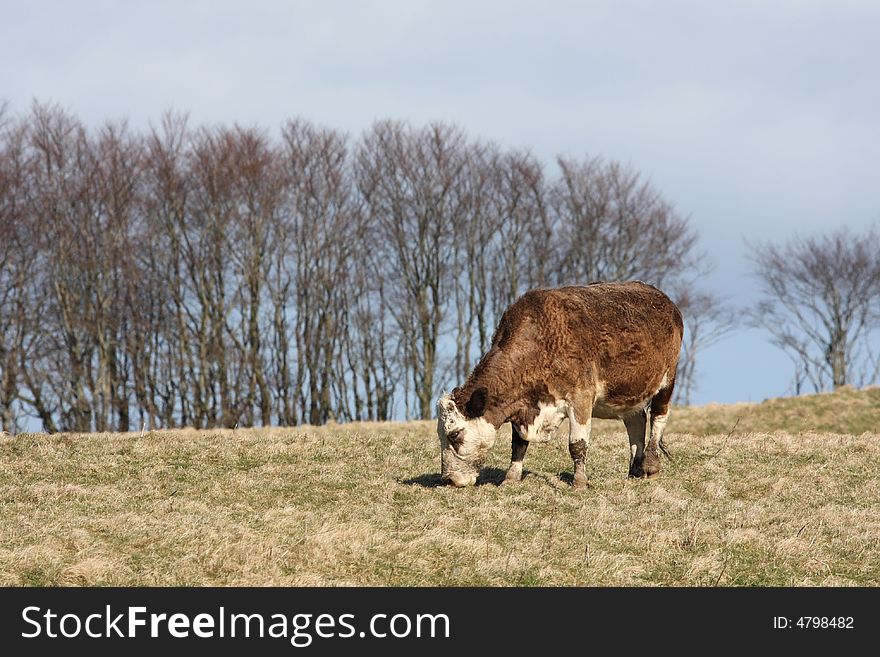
(606, 411)
(626, 398)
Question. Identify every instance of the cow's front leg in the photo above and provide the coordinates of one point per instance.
(518, 448)
(635, 428)
(578, 441)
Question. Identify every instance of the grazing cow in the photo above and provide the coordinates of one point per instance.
(606, 350)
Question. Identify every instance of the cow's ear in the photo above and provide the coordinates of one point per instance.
(477, 403)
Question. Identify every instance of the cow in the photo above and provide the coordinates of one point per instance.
(606, 350)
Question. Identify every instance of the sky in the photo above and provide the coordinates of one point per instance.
(760, 121)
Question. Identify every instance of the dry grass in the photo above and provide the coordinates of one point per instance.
(359, 504)
(848, 411)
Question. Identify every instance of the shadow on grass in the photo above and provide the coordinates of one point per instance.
(567, 480)
(429, 480)
(491, 476)
(433, 479)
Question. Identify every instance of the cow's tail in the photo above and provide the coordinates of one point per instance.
(662, 445)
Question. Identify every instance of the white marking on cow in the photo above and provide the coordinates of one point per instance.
(549, 417)
(449, 417)
(578, 431)
(479, 438)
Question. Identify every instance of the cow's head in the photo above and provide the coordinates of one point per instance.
(464, 443)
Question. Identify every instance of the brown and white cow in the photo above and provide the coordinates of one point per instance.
(606, 350)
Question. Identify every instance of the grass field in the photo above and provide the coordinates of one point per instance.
(790, 496)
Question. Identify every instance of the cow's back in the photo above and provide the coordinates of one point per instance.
(620, 339)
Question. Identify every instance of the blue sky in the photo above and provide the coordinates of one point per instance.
(759, 120)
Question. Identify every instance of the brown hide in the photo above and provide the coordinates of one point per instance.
(606, 348)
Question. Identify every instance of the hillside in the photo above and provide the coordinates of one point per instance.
(788, 498)
(847, 411)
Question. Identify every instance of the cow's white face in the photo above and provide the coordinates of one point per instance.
(464, 443)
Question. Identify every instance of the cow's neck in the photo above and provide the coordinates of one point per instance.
(502, 379)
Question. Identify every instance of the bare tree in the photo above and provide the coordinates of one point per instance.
(372, 347)
(166, 381)
(326, 233)
(17, 269)
(117, 156)
(257, 189)
(503, 250)
(415, 195)
(821, 300)
(612, 225)
(472, 256)
(64, 214)
(520, 255)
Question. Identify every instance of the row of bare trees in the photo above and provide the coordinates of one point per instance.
(220, 276)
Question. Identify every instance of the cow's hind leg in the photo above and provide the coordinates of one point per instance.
(578, 441)
(659, 415)
(518, 448)
(635, 429)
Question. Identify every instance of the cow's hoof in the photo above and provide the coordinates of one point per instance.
(579, 482)
(651, 466)
(514, 473)
(643, 474)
